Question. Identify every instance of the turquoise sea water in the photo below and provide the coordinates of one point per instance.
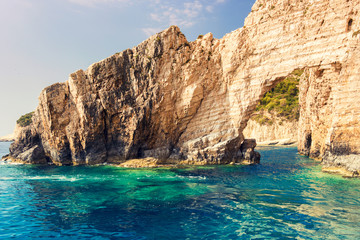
(286, 197)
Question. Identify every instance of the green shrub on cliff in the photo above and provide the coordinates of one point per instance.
(25, 120)
(281, 101)
(262, 119)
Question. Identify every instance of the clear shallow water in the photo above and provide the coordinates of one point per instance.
(285, 197)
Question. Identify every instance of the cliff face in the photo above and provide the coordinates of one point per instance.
(168, 98)
(145, 102)
(279, 132)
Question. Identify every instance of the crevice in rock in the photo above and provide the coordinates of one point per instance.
(349, 25)
(105, 132)
(308, 141)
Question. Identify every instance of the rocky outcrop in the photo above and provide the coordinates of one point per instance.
(249, 157)
(27, 147)
(172, 99)
(145, 102)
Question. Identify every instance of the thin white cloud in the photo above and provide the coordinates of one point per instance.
(209, 8)
(151, 31)
(93, 3)
(164, 13)
(184, 14)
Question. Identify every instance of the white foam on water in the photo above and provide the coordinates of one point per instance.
(194, 177)
(54, 178)
(9, 162)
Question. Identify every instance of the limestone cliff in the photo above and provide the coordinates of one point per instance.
(278, 133)
(148, 101)
(170, 98)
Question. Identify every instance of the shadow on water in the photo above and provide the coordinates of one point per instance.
(286, 196)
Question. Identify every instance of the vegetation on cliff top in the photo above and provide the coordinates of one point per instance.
(282, 101)
(25, 120)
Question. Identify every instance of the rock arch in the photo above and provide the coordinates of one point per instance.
(191, 100)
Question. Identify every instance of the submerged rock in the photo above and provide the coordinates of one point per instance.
(168, 98)
(141, 163)
(346, 165)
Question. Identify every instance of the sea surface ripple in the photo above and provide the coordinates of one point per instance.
(285, 197)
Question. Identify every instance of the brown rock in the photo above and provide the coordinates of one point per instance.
(141, 163)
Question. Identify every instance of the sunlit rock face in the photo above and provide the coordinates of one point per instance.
(169, 98)
(279, 132)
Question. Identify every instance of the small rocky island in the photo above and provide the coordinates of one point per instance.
(190, 102)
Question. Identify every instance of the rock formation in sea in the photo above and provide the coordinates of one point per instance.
(174, 99)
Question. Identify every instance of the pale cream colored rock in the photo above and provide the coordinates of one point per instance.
(278, 132)
(191, 101)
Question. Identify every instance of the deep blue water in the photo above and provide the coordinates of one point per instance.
(286, 197)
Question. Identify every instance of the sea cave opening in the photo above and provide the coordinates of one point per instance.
(275, 119)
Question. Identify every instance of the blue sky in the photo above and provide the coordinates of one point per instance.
(43, 41)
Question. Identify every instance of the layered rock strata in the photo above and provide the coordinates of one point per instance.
(169, 98)
(279, 132)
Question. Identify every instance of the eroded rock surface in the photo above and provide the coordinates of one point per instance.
(169, 98)
(280, 132)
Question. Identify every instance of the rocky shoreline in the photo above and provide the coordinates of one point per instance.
(346, 165)
(250, 157)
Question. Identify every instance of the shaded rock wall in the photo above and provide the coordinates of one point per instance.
(170, 98)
